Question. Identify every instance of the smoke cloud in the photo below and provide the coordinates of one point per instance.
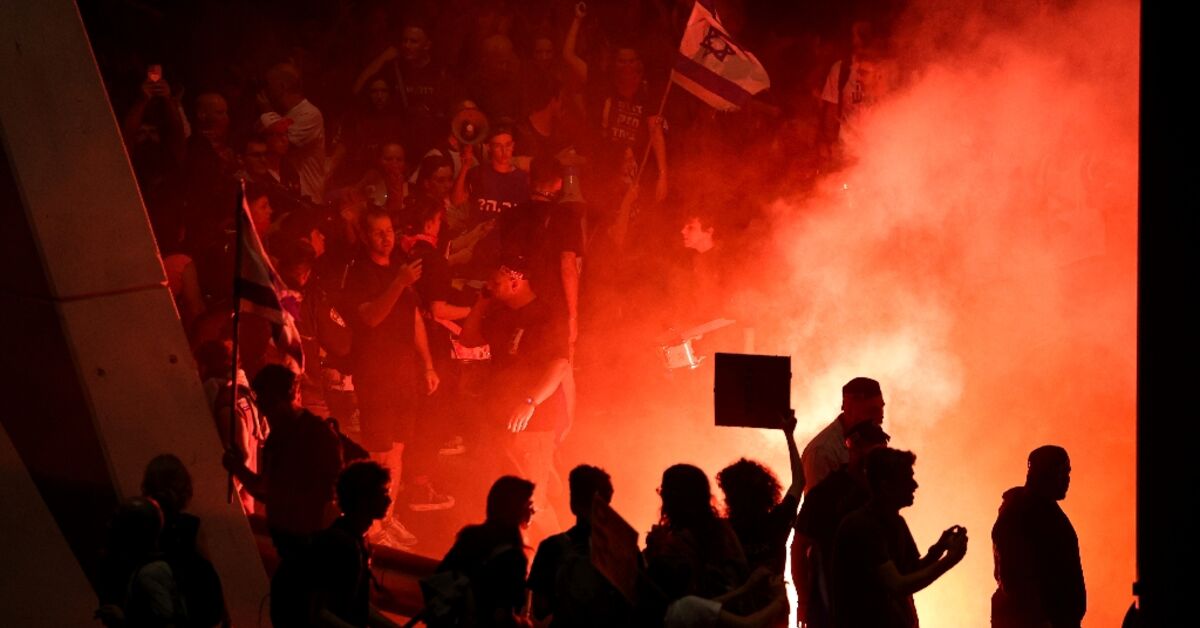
(978, 258)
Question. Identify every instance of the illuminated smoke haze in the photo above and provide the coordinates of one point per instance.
(979, 259)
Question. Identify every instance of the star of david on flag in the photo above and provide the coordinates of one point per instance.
(714, 68)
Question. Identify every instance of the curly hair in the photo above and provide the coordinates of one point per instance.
(750, 489)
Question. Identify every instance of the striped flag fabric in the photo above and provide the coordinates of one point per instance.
(261, 292)
(714, 68)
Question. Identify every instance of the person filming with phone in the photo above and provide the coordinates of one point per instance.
(876, 565)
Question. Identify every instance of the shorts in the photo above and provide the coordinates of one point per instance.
(387, 408)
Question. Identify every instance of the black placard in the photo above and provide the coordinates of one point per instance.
(752, 390)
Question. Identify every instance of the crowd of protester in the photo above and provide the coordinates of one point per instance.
(435, 272)
(854, 561)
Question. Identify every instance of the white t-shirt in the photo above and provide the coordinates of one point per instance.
(824, 454)
(307, 153)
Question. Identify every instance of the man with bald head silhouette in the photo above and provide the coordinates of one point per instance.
(862, 401)
(1038, 573)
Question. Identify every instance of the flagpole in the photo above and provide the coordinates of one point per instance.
(237, 306)
(625, 211)
(662, 105)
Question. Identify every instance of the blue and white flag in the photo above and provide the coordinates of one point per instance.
(712, 67)
(261, 292)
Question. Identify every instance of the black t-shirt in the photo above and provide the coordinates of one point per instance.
(623, 121)
(866, 539)
(530, 142)
(387, 349)
(541, 231)
(578, 594)
(620, 140)
(424, 90)
(493, 193)
(827, 504)
(301, 459)
(338, 572)
(492, 557)
(523, 343)
(434, 285)
(1038, 569)
(425, 99)
(764, 539)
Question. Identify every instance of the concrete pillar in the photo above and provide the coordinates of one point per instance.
(96, 373)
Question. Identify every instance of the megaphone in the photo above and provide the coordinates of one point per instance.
(469, 126)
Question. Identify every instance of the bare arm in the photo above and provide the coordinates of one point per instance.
(460, 249)
(778, 607)
(173, 135)
(577, 65)
(796, 488)
(569, 271)
(459, 195)
(551, 377)
(910, 583)
(801, 573)
(421, 340)
(472, 331)
(373, 312)
(255, 483)
(374, 67)
(447, 312)
(555, 371)
(132, 121)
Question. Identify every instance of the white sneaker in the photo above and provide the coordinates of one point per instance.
(425, 499)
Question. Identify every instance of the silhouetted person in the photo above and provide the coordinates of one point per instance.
(492, 556)
(167, 481)
(329, 584)
(839, 494)
(692, 551)
(762, 518)
(1038, 574)
(299, 466)
(137, 587)
(862, 400)
(876, 565)
(567, 589)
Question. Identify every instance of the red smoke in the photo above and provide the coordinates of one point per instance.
(978, 259)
